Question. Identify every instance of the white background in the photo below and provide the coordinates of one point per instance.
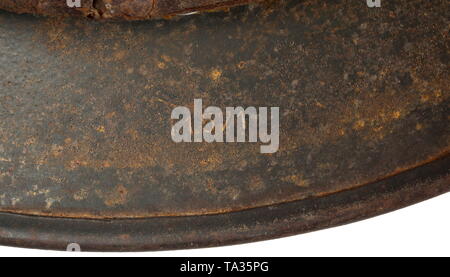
(419, 230)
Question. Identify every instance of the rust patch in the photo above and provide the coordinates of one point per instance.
(120, 9)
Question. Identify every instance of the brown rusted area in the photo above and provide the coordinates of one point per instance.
(85, 112)
(119, 9)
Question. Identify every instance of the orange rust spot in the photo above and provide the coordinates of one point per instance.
(100, 129)
(119, 55)
(118, 196)
(215, 74)
(359, 124)
(396, 115)
(298, 180)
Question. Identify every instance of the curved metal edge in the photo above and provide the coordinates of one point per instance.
(224, 229)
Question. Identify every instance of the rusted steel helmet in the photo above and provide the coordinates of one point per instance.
(357, 99)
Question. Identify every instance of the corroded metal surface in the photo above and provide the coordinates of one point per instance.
(85, 122)
(228, 228)
(119, 9)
